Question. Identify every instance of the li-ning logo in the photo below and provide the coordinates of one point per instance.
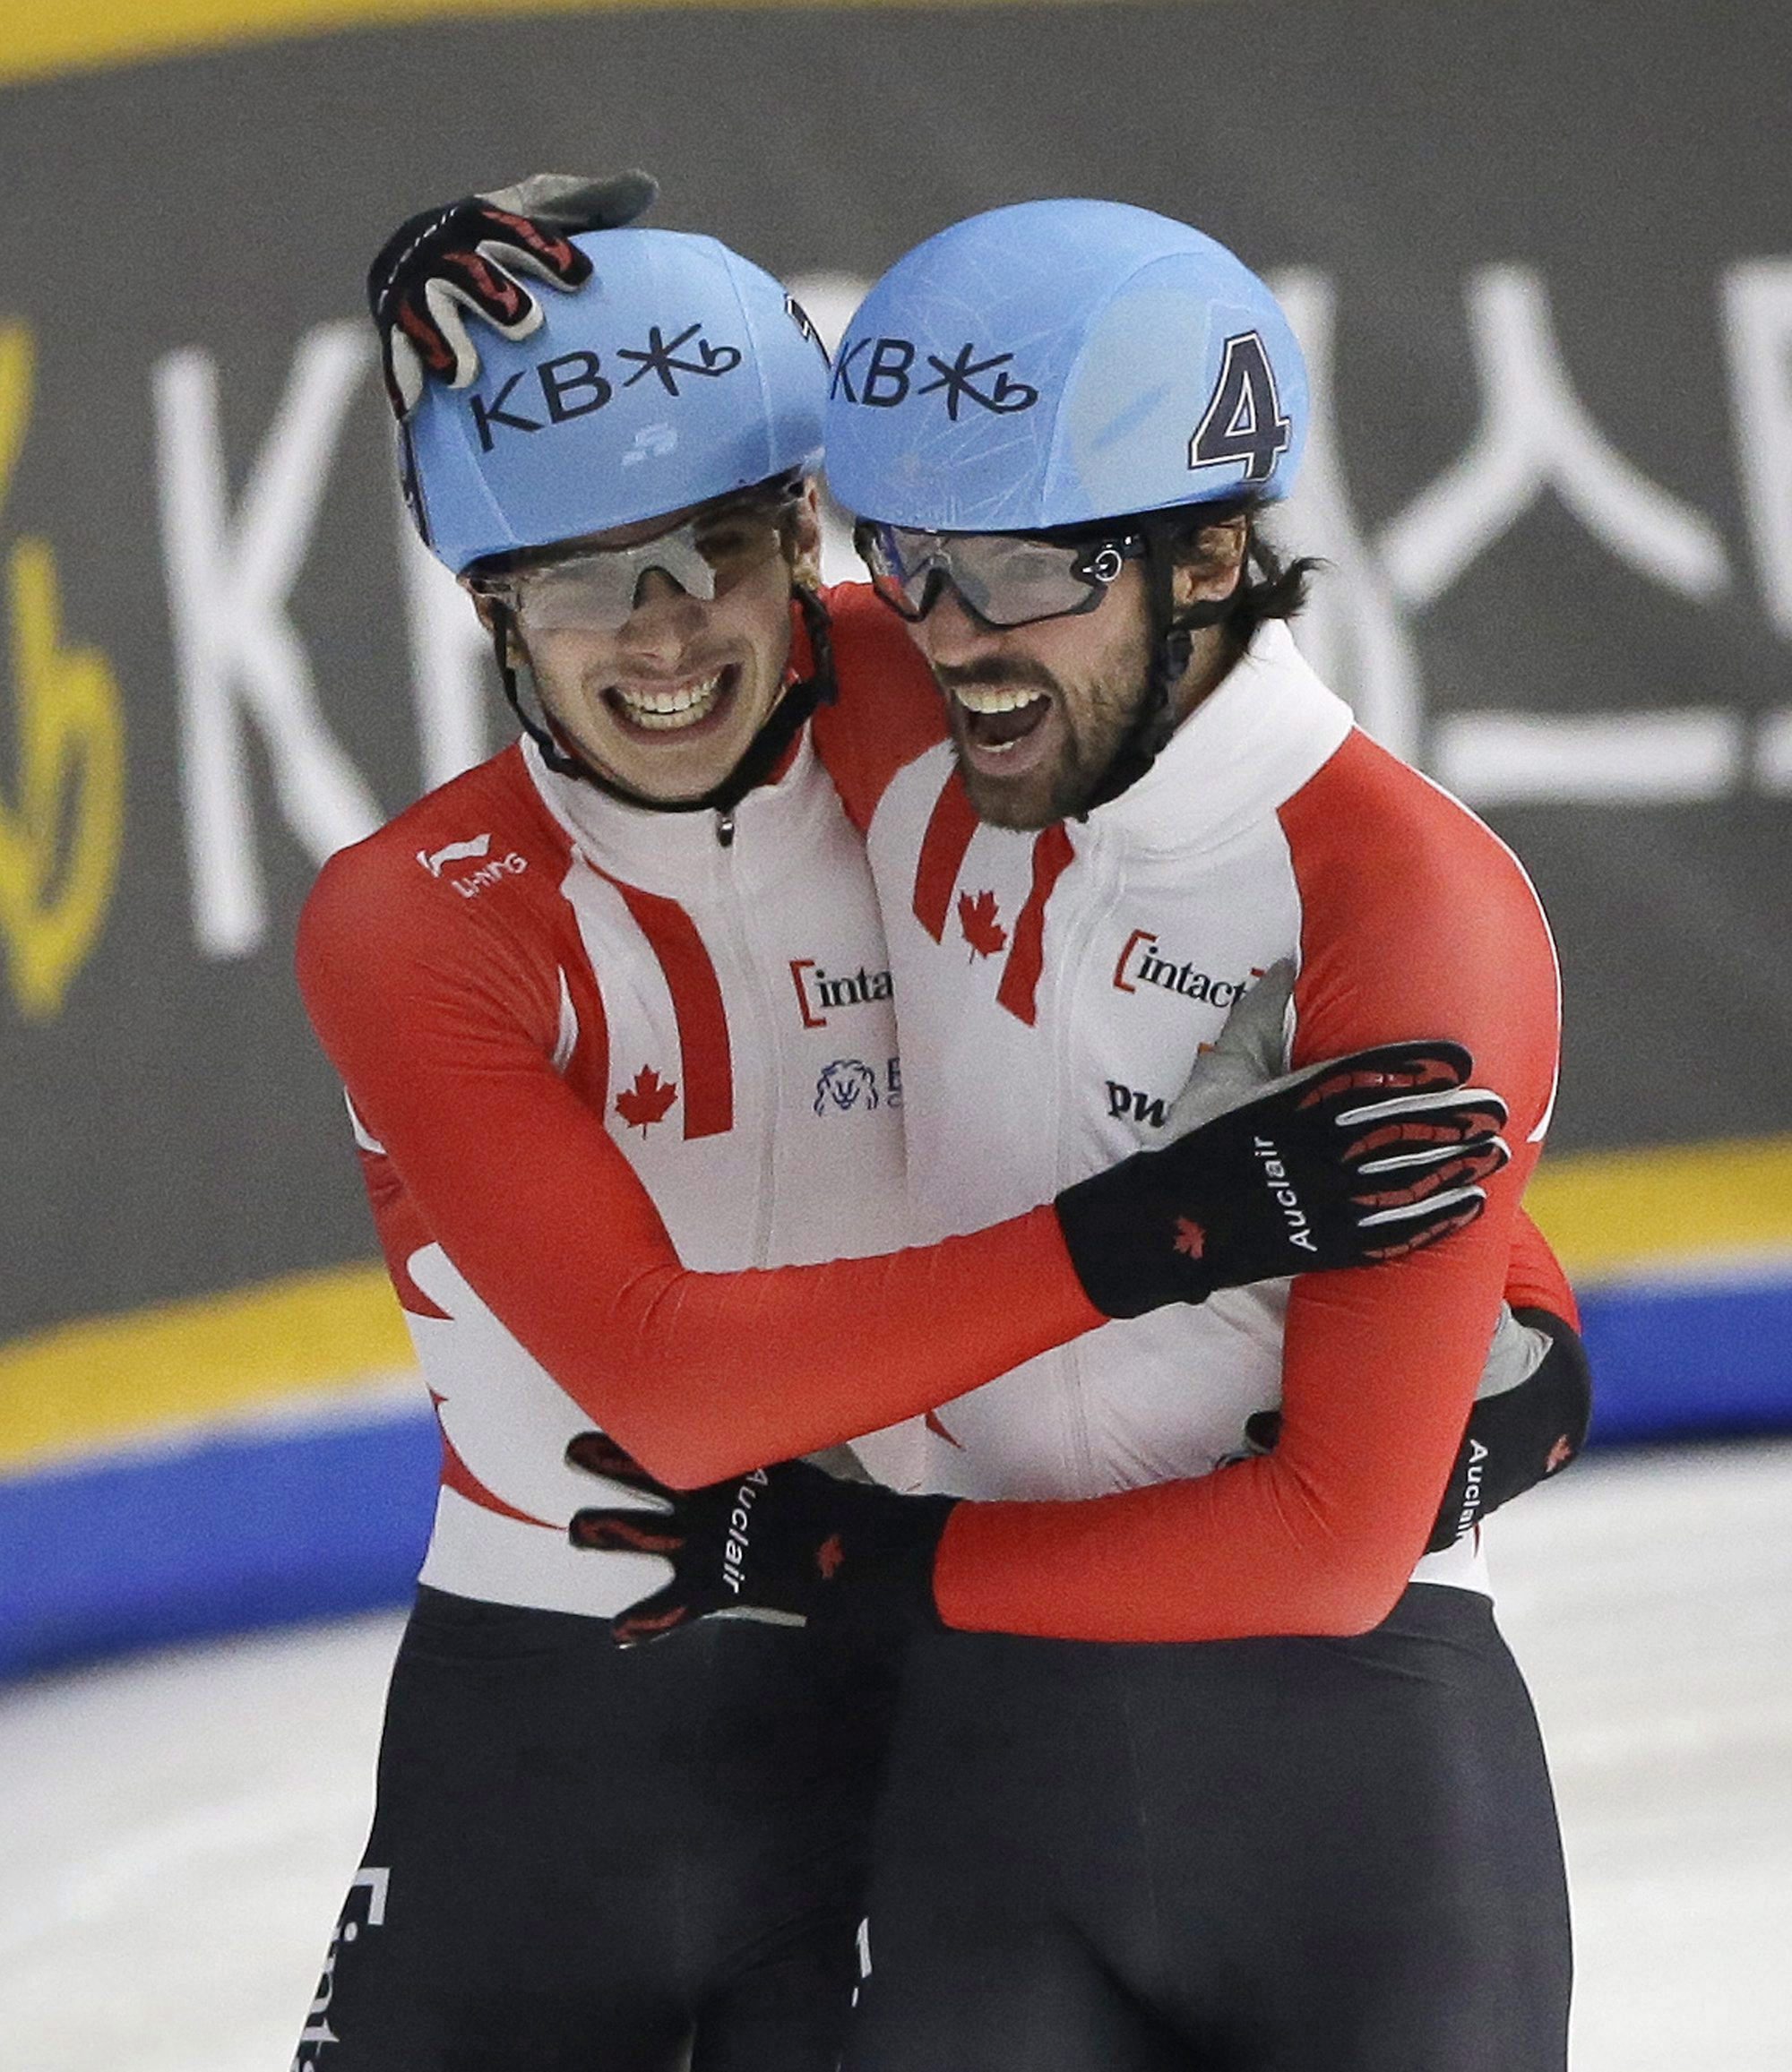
(474, 882)
(816, 992)
(876, 371)
(734, 1547)
(1275, 1175)
(435, 860)
(1141, 964)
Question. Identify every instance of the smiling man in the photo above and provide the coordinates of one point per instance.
(1311, 1829)
(633, 1144)
(1334, 1849)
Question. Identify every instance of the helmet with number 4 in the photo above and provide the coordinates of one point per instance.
(1059, 362)
(678, 372)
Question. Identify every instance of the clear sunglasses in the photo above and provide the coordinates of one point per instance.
(1005, 579)
(596, 591)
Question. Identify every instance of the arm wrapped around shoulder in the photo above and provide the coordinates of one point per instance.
(1364, 1158)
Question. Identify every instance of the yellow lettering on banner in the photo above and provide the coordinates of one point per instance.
(1667, 1211)
(311, 1341)
(62, 830)
(45, 37)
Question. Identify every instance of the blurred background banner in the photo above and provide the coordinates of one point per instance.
(1541, 259)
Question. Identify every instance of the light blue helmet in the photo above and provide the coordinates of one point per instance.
(678, 372)
(1058, 363)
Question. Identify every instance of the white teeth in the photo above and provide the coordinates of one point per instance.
(995, 701)
(683, 706)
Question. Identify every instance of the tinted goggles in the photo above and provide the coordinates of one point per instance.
(1005, 579)
(596, 591)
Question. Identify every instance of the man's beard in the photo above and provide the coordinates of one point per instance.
(1094, 727)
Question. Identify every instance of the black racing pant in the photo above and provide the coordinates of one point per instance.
(1246, 1856)
(586, 1859)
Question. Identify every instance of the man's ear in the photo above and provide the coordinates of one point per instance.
(1209, 566)
(803, 541)
(488, 608)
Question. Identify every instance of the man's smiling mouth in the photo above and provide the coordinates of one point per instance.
(995, 720)
(672, 707)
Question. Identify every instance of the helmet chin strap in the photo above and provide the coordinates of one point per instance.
(760, 756)
(1172, 640)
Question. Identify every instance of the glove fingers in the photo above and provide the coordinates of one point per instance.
(421, 332)
(444, 302)
(1478, 1108)
(515, 259)
(404, 375)
(1422, 1139)
(536, 245)
(597, 1453)
(1399, 1232)
(1419, 1182)
(568, 201)
(602, 1532)
(652, 1616)
(1389, 1068)
(1409, 1150)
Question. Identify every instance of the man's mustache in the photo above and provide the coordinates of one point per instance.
(993, 675)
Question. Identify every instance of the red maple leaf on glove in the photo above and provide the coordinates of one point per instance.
(977, 918)
(647, 1100)
(1190, 1239)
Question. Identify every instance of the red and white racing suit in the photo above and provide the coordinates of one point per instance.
(600, 1058)
(1055, 990)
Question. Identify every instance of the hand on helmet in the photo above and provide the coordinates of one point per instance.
(467, 256)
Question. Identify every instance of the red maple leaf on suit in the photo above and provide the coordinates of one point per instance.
(977, 918)
(1190, 1239)
(647, 1100)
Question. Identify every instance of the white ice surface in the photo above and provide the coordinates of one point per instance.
(175, 1833)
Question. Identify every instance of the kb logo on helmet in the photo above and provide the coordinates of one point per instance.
(877, 370)
(574, 384)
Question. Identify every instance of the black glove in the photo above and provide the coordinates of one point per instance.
(467, 256)
(778, 1544)
(1520, 1435)
(1365, 1159)
(1528, 1422)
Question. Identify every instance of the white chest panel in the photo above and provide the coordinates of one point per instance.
(1148, 933)
(754, 1085)
(1136, 973)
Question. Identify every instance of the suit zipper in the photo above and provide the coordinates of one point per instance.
(768, 1051)
(1059, 984)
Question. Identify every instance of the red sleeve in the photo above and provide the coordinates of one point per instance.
(1535, 1279)
(1416, 922)
(886, 712)
(444, 1034)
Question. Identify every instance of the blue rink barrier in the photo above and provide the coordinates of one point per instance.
(234, 1530)
(259, 1525)
(1712, 1358)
